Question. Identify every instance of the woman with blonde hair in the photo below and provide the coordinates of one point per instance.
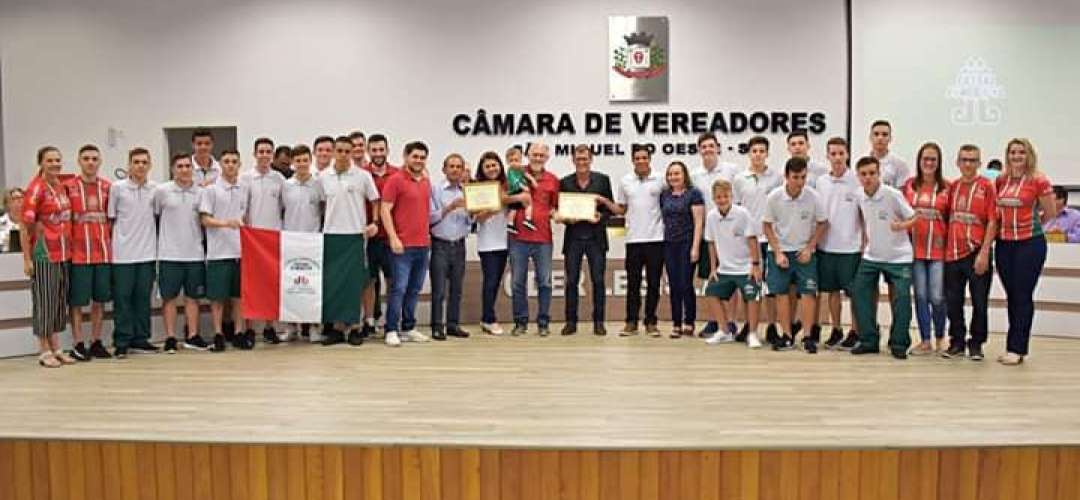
(45, 235)
(1025, 203)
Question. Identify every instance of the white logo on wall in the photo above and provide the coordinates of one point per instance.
(975, 90)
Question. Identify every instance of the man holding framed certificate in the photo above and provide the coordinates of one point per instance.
(584, 206)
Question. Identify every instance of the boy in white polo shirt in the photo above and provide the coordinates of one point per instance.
(134, 246)
(638, 197)
(887, 217)
(346, 191)
(264, 209)
(751, 187)
(734, 262)
(894, 171)
(839, 251)
(181, 257)
(302, 212)
(794, 221)
(222, 209)
(710, 171)
(798, 145)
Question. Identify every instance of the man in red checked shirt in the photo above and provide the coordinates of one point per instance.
(91, 252)
(971, 233)
(534, 244)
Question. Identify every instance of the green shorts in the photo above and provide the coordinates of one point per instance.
(88, 282)
(803, 276)
(836, 271)
(190, 277)
(222, 279)
(724, 286)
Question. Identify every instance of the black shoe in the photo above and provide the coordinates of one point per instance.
(569, 329)
(835, 338)
(598, 329)
(457, 332)
(196, 342)
(120, 353)
(955, 351)
(899, 353)
(741, 336)
(786, 342)
(528, 223)
(332, 336)
(239, 340)
(144, 347)
(864, 349)
(368, 331)
(270, 336)
(219, 343)
(305, 330)
(519, 330)
(815, 333)
(851, 341)
(708, 330)
(249, 339)
(975, 352)
(170, 345)
(796, 327)
(79, 353)
(772, 336)
(809, 345)
(438, 335)
(97, 350)
(356, 338)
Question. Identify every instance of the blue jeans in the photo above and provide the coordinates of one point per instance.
(409, 270)
(1019, 264)
(680, 272)
(540, 253)
(928, 277)
(492, 265)
(447, 272)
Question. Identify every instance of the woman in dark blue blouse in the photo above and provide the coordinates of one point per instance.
(683, 209)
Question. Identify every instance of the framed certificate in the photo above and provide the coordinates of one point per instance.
(482, 196)
(577, 206)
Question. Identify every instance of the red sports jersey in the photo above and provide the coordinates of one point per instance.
(380, 183)
(50, 209)
(91, 235)
(930, 231)
(973, 206)
(545, 199)
(1016, 202)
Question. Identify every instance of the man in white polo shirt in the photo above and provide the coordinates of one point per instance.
(346, 190)
(894, 171)
(324, 154)
(207, 169)
(638, 197)
(134, 246)
(222, 210)
(887, 218)
(302, 213)
(181, 257)
(794, 221)
(264, 208)
(704, 177)
(798, 146)
(751, 187)
(839, 250)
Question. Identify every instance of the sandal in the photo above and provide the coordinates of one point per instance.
(1010, 359)
(64, 358)
(48, 360)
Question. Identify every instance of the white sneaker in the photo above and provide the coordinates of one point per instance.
(720, 338)
(491, 328)
(392, 339)
(314, 336)
(285, 336)
(415, 336)
(752, 340)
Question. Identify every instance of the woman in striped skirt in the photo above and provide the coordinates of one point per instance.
(45, 235)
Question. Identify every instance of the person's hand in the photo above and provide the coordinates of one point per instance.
(805, 255)
(456, 204)
(694, 255)
(371, 230)
(982, 263)
(396, 246)
(28, 268)
(897, 226)
(557, 217)
(755, 274)
(596, 218)
(781, 260)
(235, 223)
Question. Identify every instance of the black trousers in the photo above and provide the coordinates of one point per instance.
(576, 250)
(960, 278)
(650, 257)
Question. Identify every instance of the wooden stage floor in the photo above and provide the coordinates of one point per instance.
(579, 392)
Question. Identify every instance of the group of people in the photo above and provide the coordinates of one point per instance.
(764, 241)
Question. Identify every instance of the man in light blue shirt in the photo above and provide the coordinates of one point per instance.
(450, 224)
